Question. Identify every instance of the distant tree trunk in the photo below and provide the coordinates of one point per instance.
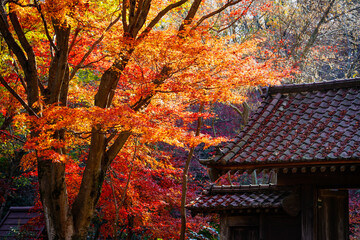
(244, 113)
(185, 179)
(130, 232)
(123, 196)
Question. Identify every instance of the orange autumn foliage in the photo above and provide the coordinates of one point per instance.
(95, 75)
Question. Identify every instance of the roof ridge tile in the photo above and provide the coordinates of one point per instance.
(316, 86)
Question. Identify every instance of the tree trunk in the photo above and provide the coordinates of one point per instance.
(185, 180)
(59, 222)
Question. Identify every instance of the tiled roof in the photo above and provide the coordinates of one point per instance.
(316, 123)
(15, 219)
(222, 198)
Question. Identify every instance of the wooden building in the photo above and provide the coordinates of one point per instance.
(307, 137)
(19, 223)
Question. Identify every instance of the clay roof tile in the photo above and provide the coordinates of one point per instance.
(305, 122)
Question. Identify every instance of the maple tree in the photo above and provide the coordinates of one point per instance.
(94, 75)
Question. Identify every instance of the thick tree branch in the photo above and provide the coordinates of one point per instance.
(123, 17)
(3, 15)
(139, 9)
(22, 102)
(52, 44)
(140, 20)
(9, 38)
(117, 145)
(244, 113)
(110, 78)
(59, 64)
(28, 65)
(159, 16)
(132, 5)
(21, 36)
(190, 15)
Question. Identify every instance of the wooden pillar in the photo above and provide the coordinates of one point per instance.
(307, 212)
(261, 226)
(224, 227)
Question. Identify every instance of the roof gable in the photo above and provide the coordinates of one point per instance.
(299, 124)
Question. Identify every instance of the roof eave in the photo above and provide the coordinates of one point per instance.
(272, 164)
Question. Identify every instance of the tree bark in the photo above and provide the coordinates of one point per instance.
(54, 198)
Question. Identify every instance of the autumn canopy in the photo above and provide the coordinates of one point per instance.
(88, 83)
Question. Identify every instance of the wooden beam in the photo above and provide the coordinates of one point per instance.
(337, 179)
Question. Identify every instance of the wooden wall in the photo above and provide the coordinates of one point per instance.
(332, 214)
(260, 227)
(323, 215)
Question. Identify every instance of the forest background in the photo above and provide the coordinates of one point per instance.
(105, 106)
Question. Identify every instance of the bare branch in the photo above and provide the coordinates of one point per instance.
(12, 136)
(87, 54)
(244, 113)
(23, 83)
(228, 4)
(82, 135)
(77, 31)
(316, 30)
(341, 14)
(129, 176)
(237, 19)
(90, 63)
